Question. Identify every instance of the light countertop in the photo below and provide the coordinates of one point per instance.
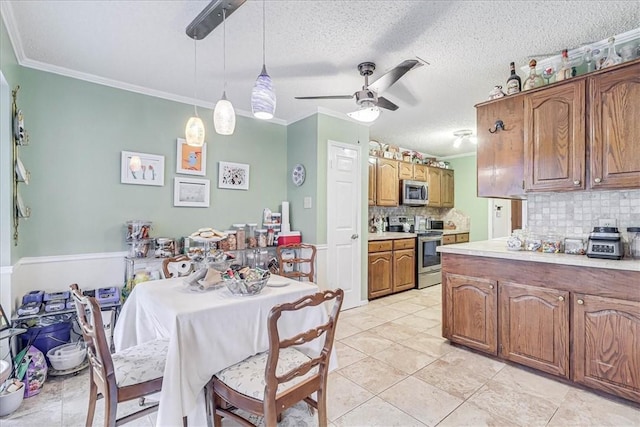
(497, 248)
(390, 235)
(456, 231)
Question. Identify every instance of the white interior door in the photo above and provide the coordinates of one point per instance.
(343, 221)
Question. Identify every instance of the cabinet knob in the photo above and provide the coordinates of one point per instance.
(576, 182)
(490, 286)
(597, 180)
(580, 302)
(560, 298)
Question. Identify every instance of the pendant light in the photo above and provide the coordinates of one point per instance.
(263, 97)
(224, 117)
(194, 131)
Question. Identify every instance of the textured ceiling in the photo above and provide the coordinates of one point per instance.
(313, 48)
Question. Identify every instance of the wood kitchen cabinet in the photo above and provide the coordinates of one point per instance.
(534, 327)
(372, 181)
(450, 239)
(606, 347)
(434, 179)
(447, 188)
(412, 171)
(614, 142)
(500, 153)
(554, 138)
(392, 267)
(387, 183)
(469, 309)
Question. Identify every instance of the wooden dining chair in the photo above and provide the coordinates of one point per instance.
(268, 383)
(177, 266)
(127, 375)
(297, 261)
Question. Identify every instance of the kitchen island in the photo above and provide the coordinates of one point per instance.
(568, 315)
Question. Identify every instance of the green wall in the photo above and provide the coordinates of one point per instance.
(466, 200)
(77, 132)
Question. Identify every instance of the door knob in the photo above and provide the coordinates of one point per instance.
(354, 236)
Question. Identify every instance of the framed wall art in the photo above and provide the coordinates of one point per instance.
(141, 169)
(234, 176)
(191, 160)
(191, 192)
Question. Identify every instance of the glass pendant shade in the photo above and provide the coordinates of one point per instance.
(365, 114)
(194, 132)
(263, 97)
(224, 116)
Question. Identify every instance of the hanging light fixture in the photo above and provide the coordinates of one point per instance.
(367, 113)
(224, 116)
(263, 96)
(194, 131)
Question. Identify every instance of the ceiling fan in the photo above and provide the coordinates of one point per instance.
(367, 98)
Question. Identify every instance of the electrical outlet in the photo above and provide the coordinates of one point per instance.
(307, 202)
(607, 222)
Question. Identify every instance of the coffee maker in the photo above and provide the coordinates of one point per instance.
(419, 223)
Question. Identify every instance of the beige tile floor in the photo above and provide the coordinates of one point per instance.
(396, 370)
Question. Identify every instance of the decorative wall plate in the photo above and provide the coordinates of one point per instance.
(298, 175)
(18, 127)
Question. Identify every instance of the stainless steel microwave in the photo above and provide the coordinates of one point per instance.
(415, 193)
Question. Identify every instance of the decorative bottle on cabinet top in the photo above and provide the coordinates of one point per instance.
(514, 84)
(534, 80)
(564, 72)
(612, 56)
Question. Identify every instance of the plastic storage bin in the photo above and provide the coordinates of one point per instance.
(47, 337)
(67, 356)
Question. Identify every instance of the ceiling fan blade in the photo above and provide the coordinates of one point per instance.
(325, 97)
(384, 82)
(385, 103)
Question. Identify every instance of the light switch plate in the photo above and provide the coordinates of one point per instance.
(307, 202)
(607, 222)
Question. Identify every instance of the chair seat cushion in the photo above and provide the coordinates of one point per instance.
(140, 363)
(247, 377)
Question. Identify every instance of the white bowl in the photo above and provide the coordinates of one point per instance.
(5, 370)
(10, 402)
(67, 356)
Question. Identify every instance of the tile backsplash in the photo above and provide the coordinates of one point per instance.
(574, 214)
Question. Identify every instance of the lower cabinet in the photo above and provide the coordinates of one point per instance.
(392, 267)
(534, 327)
(606, 344)
(592, 340)
(469, 312)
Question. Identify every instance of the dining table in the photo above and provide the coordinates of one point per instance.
(208, 331)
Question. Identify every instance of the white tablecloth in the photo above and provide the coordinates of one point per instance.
(208, 331)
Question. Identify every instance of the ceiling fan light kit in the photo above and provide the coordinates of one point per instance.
(366, 114)
(263, 95)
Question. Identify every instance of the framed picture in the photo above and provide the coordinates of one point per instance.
(191, 192)
(142, 169)
(233, 175)
(191, 160)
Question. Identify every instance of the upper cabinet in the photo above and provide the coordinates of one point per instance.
(447, 188)
(441, 187)
(412, 171)
(501, 151)
(372, 181)
(614, 142)
(549, 133)
(554, 143)
(387, 184)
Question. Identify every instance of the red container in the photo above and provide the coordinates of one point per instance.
(289, 238)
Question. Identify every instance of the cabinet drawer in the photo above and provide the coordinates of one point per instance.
(382, 245)
(404, 244)
(449, 239)
(462, 237)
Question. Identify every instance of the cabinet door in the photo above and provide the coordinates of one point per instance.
(419, 172)
(372, 182)
(615, 128)
(500, 155)
(434, 178)
(404, 269)
(469, 312)
(606, 346)
(554, 138)
(405, 170)
(380, 274)
(534, 327)
(449, 239)
(387, 185)
(462, 238)
(447, 188)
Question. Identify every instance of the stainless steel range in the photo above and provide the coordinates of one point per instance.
(429, 269)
